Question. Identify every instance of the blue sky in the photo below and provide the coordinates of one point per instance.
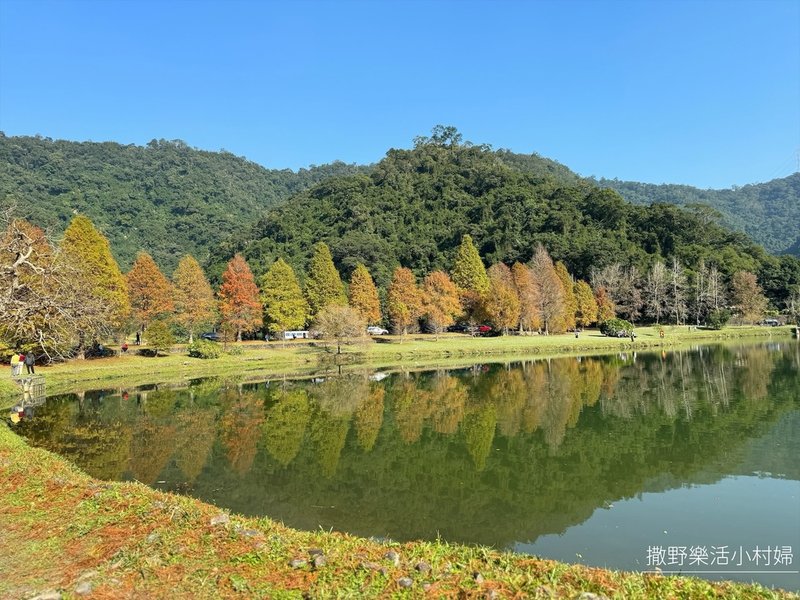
(702, 93)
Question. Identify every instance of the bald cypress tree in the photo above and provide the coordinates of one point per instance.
(468, 270)
(193, 296)
(88, 254)
(324, 285)
(150, 292)
(364, 295)
(285, 307)
(239, 303)
(570, 305)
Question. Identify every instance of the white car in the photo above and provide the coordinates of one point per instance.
(375, 330)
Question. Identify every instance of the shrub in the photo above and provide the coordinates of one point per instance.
(235, 350)
(158, 336)
(613, 327)
(203, 349)
(717, 319)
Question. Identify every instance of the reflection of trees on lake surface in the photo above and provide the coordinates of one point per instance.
(486, 454)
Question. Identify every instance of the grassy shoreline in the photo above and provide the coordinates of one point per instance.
(276, 359)
(71, 533)
(80, 537)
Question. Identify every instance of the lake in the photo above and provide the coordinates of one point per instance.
(682, 461)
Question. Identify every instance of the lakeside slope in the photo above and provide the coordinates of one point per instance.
(73, 536)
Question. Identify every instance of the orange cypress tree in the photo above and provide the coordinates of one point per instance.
(194, 298)
(501, 303)
(239, 302)
(404, 299)
(364, 295)
(605, 305)
(150, 292)
(442, 304)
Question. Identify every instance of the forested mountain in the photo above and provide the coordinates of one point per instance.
(415, 205)
(166, 197)
(768, 212)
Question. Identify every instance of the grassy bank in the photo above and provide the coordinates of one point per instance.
(68, 533)
(261, 360)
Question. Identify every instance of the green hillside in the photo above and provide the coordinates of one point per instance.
(414, 206)
(166, 197)
(767, 212)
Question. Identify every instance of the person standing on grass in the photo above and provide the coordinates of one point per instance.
(15, 365)
(30, 363)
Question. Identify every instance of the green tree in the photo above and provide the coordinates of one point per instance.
(239, 302)
(158, 337)
(193, 296)
(150, 292)
(468, 271)
(364, 295)
(285, 307)
(323, 284)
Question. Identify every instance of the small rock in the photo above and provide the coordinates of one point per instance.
(251, 533)
(477, 577)
(48, 595)
(87, 575)
(153, 537)
(315, 552)
(422, 567)
(220, 519)
(297, 563)
(426, 587)
(393, 556)
(83, 588)
(320, 561)
(383, 571)
(405, 582)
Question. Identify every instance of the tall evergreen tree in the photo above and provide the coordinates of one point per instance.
(239, 303)
(193, 296)
(323, 284)
(570, 304)
(404, 300)
(468, 270)
(364, 295)
(285, 306)
(87, 251)
(150, 292)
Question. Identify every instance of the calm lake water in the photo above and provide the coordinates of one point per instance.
(683, 461)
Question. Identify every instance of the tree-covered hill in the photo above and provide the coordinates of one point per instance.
(166, 197)
(768, 212)
(415, 205)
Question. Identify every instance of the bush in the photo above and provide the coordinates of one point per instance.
(158, 336)
(719, 318)
(613, 327)
(203, 349)
(235, 350)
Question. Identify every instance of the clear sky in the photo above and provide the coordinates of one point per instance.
(704, 93)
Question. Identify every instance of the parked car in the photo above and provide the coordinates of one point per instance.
(459, 328)
(771, 322)
(375, 330)
(211, 336)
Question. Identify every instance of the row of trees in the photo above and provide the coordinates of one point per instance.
(62, 297)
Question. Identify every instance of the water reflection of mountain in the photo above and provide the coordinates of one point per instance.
(491, 454)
